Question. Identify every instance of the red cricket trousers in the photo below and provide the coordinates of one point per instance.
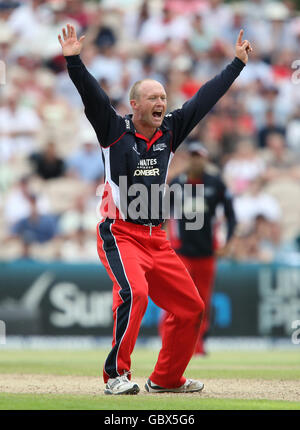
(202, 271)
(141, 264)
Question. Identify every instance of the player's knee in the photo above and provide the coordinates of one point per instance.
(201, 306)
(201, 312)
(140, 297)
(197, 311)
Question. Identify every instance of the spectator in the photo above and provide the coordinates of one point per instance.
(17, 204)
(245, 248)
(269, 127)
(268, 98)
(77, 218)
(65, 90)
(105, 64)
(86, 163)
(243, 167)
(258, 70)
(202, 38)
(146, 68)
(256, 202)
(47, 164)
(237, 21)
(217, 17)
(257, 242)
(156, 30)
(19, 126)
(6, 40)
(53, 109)
(37, 21)
(35, 228)
(27, 20)
(99, 33)
(76, 11)
(267, 235)
(277, 15)
(233, 125)
(279, 160)
(141, 17)
(80, 248)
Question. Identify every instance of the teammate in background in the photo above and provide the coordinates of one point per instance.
(134, 249)
(197, 248)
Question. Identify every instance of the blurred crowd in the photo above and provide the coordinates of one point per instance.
(51, 164)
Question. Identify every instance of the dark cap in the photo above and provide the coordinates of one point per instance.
(198, 148)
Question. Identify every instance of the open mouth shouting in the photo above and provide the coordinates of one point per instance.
(157, 115)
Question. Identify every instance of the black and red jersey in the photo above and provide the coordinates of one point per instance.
(201, 242)
(128, 154)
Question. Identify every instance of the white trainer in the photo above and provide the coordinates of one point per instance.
(121, 385)
(190, 386)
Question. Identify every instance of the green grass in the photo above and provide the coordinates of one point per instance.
(271, 365)
(63, 402)
(243, 364)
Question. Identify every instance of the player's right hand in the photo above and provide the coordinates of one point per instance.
(69, 42)
(242, 48)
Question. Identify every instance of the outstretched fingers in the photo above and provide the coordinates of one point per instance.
(73, 31)
(69, 42)
(67, 33)
(64, 33)
(60, 40)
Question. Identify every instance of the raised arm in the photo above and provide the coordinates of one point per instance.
(185, 119)
(104, 119)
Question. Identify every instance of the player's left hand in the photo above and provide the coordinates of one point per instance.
(221, 252)
(242, 48)
(225, 251)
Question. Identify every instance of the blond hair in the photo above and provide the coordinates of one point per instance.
(134, 90)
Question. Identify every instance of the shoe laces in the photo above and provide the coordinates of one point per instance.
(119, 379)
(124, 377)
(188, 382)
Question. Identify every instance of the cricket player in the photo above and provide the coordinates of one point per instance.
(134, 249)
(197, 248)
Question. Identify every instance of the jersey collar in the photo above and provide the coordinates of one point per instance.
(131, 129)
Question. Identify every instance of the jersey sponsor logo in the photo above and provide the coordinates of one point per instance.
(146, 167)
(127, 123)
(145, 162)
(148, 172)
(159, 146)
